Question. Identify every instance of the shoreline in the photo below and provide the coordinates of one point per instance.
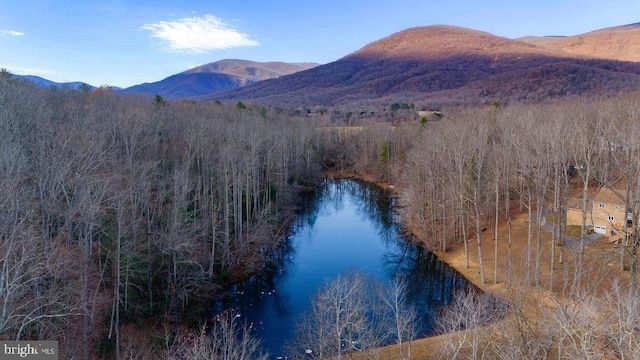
(530, 302)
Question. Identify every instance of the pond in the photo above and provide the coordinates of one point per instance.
(343, 226)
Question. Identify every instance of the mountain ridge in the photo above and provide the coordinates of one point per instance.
(442, 63)
(40, 81)
(613, 43)
(439, 41)
(214, 77)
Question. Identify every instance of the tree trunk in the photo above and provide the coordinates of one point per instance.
(465, 240)
(495, 231)
(507, 208)
(529, 236)
(478, 237)
(556, 226)
(577, 280)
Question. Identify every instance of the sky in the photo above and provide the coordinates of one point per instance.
(122, 43)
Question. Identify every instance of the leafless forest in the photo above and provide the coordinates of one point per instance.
(120, 216)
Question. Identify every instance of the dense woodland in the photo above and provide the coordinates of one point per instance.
(121, 216)
(118, 210)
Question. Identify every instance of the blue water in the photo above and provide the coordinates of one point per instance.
(343, 226)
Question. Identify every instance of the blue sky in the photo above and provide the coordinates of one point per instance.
(122, 43)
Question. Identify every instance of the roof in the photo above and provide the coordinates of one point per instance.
(609, 196)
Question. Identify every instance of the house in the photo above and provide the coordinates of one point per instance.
(605, 212)
(608, 212)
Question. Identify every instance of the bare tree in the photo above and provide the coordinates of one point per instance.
(32, 294)
(622, 151)
(624, 322)
(579, 327)
(402, 318)
(585, 148)
(519, 335)
(226, 340)
(478, 166)
(560, 173)
(505, 155)
(344, 318)
(463, 320)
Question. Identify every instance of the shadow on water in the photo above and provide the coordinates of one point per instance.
(343, 225)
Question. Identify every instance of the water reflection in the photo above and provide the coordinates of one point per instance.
(342, 226)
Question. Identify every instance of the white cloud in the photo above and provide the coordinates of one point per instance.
(10, 33)
(198, 35)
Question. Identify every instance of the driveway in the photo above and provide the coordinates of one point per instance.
(568, 241)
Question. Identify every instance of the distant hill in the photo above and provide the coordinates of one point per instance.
(448, 64)
(48, 83)
(215, 77)
(615, 43)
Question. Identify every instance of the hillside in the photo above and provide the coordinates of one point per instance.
(443, 41)
(447, 64)
(615, 43)
(48, 83)
(251, 70)
(215, 77)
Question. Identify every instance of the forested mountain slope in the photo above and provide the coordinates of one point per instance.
(448, 64)
(215, 77)
(616, 43)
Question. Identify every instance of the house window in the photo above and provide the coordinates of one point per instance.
(601, 206)
(610, 218)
